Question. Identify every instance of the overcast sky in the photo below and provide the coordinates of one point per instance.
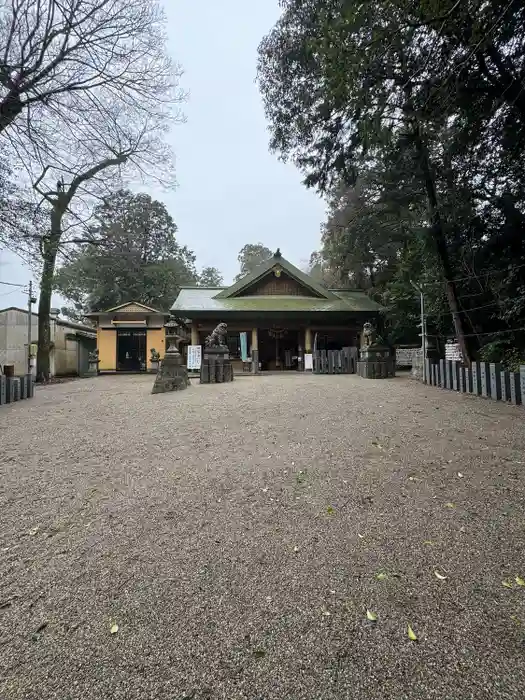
(231, 190)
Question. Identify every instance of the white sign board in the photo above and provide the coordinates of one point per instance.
(308, 361)
(194, 356)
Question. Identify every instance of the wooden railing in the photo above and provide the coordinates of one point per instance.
(335, 361)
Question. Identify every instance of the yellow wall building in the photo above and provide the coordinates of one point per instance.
(126, 335)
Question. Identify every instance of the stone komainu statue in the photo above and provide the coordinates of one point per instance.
(369, 334)
(217, 337)
(93, 356)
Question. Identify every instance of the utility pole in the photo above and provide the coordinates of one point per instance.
(423, 328)
(30, 301)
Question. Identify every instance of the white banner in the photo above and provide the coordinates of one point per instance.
(194, 356)
(308, 361)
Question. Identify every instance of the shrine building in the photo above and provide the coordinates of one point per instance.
(284, 312)
(126, 334)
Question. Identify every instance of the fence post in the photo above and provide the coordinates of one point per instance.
(485, 380)
(515, 389)
(505, 389)
(522, 383)
(324, 362)
(495, 381)
(475, 378)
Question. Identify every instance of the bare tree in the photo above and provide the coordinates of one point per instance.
(58, 56)
(67, 192)
(87, 93)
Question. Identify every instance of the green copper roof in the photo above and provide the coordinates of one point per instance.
(202, 299)
(216, 300)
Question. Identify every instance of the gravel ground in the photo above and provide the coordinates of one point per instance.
(235, 534)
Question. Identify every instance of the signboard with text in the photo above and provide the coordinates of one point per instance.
(194, 356)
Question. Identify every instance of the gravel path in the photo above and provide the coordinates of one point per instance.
(234, 533)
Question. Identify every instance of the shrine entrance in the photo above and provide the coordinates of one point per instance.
(131, 350)
(278, 349)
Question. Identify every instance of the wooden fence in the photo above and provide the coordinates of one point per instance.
(335, 361)
(482, 379)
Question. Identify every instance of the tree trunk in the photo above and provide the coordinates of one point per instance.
(440, 242)
(43, 360)
(10, 107)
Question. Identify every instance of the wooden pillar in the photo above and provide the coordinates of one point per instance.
(308, 341)
(255, 352)
(194, 334)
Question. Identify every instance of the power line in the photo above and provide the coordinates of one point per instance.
(476, 276)
(12, 284)
(475, 335)
(6, 294)
(465, 311)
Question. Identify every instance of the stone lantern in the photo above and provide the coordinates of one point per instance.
(172, 374)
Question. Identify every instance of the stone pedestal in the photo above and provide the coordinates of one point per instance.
(376, 362)
(216, 366)
(12, 392)
(172, 374)
(92, 370)
(255, 362)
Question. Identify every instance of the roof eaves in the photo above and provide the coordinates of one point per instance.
(129, 303)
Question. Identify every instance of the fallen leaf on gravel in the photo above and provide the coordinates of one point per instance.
(330, 510)
(450, 505)
(411, 634)
(440, 576)
(371, 616)
(428, 542)
(114, 629)
(519, 581)
(507, 584)
(381, 576)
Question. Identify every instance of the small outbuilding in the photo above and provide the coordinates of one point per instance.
(126, 334)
